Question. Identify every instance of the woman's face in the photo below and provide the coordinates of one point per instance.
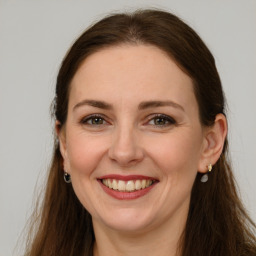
(132, 142)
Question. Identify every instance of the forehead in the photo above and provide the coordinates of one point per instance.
(126, 72)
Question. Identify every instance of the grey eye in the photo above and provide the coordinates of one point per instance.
(96, 120)
(162, 120)
(93, 120)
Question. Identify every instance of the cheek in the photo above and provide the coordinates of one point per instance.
(177, 155)
(84, 153)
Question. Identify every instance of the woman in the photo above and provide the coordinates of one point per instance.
(141, 143)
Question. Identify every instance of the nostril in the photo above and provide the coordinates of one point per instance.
(126, 156)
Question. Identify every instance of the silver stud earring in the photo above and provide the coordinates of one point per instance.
(204, 178)
(67, 177)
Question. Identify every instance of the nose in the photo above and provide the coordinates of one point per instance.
(125, 148)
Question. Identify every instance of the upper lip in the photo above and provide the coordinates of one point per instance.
(126, 177)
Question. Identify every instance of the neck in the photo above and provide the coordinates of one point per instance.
(161, 240)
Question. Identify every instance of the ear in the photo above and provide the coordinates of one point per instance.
(214, 139)
(61, 134)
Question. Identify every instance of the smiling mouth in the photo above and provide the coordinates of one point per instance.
(127, 186)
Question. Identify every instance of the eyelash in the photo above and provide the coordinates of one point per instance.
(85, 121)
(168, 121)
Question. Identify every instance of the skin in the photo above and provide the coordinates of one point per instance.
(129, 140)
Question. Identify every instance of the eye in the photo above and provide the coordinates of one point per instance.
(95, 120)
(161, 120)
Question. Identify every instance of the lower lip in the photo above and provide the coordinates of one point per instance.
(126, 195)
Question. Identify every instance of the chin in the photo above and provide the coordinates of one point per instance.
(127, 220)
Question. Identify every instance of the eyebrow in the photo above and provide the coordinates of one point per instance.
(93, 103)
(156, 103)
(143, 105)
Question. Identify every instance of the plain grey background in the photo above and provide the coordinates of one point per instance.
(34, 37)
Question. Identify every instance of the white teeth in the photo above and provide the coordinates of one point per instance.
(148, 183)
(137, 184)
(115, 185)
(121, 185)
(128, 186)
(143, 184)
(105, 182)
(109, 184)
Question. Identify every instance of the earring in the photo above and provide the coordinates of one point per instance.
(204, 178)
(67, 177)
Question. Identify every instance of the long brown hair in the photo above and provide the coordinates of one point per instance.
(217, 223)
